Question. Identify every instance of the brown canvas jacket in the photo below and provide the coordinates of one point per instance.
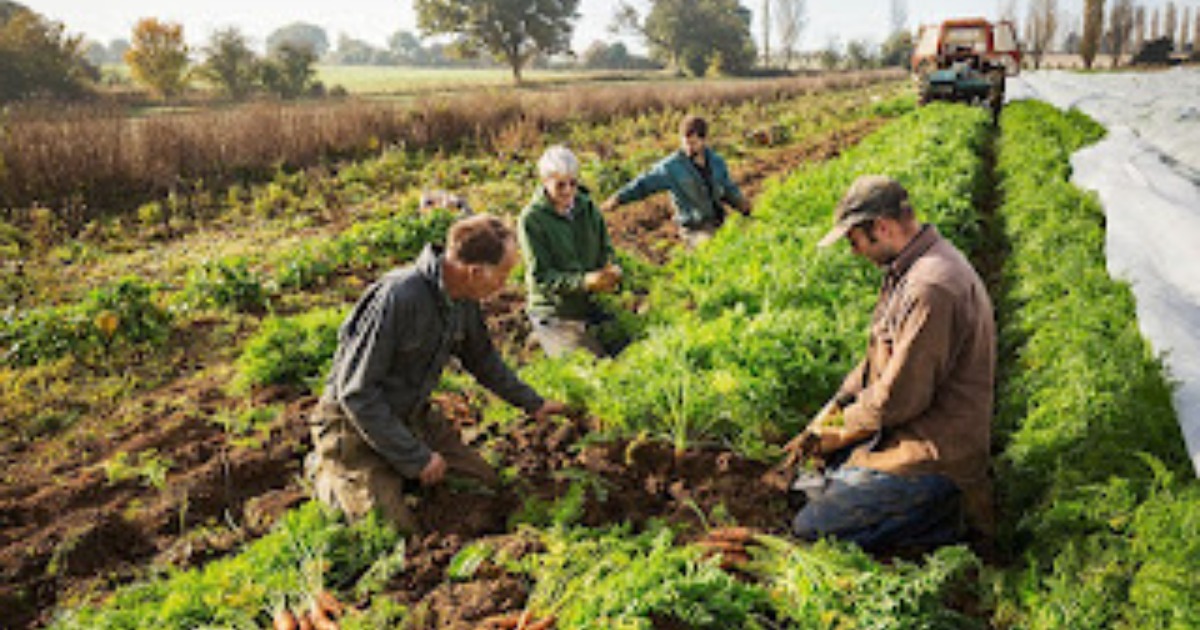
(926, 385)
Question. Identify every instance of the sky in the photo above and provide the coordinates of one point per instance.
(375, 20)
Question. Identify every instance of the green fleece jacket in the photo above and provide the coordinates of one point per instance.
(559, 251)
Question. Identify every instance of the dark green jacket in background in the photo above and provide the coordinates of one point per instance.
(559, 251)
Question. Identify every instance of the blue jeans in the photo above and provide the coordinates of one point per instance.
(876, 510)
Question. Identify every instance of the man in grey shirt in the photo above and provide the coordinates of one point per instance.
(375, 427)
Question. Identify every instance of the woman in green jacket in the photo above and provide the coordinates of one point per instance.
(568, 259)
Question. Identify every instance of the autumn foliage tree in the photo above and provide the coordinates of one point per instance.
(513, 31)
(158, 57)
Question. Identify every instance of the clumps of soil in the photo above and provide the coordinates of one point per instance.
(627, 481)
(67, 528)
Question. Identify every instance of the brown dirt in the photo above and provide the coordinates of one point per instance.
(65, 529)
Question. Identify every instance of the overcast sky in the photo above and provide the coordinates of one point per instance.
(374, 20)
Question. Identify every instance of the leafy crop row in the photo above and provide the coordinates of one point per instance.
(1092, 477)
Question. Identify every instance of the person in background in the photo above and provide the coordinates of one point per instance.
(569, 260)
(907, 436)
(374, 428)
(698, 181)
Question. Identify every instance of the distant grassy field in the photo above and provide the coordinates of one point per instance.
(407, 80)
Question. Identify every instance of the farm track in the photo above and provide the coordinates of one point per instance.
(67, 530)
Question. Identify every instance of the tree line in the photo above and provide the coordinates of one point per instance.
(1152, 35)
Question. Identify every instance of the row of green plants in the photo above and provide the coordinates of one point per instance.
(615, 578)
(1098, 493)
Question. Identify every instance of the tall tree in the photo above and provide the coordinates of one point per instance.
(230, 63)
(1196, 36)
(158, 56)
(791, 16)
(1120, 26)
(37, 58)
(1040, 27)
(1139, 28)
(1170, 21)
(1093, 28)
(1184, 25)
(513, 31)
(766, 24)
(1154, 32)
(406, 48)
(299, 35)
(695, 35)
(288, 71)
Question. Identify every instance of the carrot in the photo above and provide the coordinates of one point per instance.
(285, 620)
(544, 624)
(329, 604)
(732, 534)
(306, 622)
(505, 622)
(321, 619)
(719, 546)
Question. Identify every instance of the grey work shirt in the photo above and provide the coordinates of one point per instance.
(391, 353)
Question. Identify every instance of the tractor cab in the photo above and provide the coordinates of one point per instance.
(966, 60)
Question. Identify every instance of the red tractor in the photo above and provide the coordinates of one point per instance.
(966, 60)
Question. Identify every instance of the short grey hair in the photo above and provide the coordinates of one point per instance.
(558, 160)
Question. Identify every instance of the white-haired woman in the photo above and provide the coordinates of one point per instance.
(568, 259)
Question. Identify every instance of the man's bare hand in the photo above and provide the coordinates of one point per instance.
(549, 408)
(610, 204)
(434, 471)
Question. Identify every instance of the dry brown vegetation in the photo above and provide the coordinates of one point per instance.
(82, 162)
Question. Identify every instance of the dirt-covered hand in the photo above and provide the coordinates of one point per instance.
(549, 408)
(433, 472)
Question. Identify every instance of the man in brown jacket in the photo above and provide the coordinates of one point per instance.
(908, 433)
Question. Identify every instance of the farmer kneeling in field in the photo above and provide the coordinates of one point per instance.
(568, 259)
(375, 427)
(906, 439)
(699, 183)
